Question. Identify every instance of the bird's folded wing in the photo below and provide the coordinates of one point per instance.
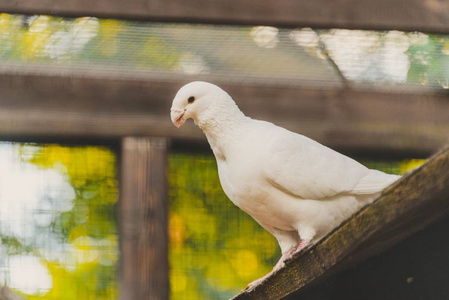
(306, 169)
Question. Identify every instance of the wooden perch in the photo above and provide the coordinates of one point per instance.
(407, 206)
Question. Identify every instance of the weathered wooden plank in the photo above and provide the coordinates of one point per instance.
(416, 268)
(410, 15)
(143, 219)
(98, 105)
(410, 204)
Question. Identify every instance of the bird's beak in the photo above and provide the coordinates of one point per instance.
(177, 116)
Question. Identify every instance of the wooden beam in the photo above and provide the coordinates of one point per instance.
(409, 205)
(408, 15)
(416, 268)
(143, 219)
(97, 105)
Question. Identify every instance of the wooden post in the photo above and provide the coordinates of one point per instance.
(143, 219)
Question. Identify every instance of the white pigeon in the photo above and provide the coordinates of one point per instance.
(294, 187)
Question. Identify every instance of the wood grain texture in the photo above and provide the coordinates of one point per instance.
(409, 15)
(416, 268)
(143, 219)
(97, 105)
(409, 205)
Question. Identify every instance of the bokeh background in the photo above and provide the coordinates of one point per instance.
(59, 231)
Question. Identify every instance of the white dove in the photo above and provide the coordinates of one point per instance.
(294, 187)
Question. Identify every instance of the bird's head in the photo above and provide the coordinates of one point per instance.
(200, 101)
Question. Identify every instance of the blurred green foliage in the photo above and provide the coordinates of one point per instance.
(429, 61)
(90, 226)
(44, 39)
(215, 248)
(86, 234)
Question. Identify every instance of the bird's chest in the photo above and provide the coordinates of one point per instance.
(242, 184)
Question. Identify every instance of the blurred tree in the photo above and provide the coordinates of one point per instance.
(80, 245)
(89, 227)
(429, 60)
(45, 39)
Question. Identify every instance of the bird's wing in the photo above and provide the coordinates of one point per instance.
(306, 169)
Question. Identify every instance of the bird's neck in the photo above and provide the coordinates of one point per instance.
(223, 128)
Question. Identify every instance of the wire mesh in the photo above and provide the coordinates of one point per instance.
(142, 47)
(277, 55)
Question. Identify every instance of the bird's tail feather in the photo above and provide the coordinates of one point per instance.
(374, 182)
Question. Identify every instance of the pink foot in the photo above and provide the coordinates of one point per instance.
(258, 281)
(302, 245)
(278, 265)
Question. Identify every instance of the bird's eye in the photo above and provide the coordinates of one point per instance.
(191, 99)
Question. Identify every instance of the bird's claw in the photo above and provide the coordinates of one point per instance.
(257, 282)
